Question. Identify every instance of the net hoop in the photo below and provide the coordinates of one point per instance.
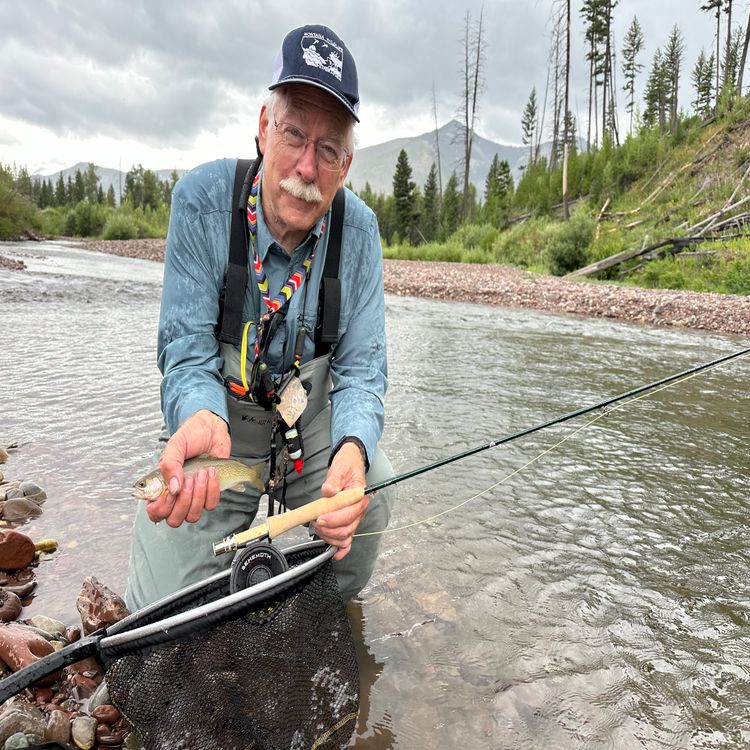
(128, 635)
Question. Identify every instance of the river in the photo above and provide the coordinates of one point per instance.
(597, 597)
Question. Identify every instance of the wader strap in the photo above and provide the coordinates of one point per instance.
(232, 298)
(329, 301)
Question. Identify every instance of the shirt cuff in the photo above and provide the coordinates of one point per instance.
(358, 443)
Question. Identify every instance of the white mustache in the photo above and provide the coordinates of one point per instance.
(306, 191)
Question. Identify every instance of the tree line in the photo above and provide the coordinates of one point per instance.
(79, 205)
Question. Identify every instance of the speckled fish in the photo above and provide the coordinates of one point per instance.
(233, 475)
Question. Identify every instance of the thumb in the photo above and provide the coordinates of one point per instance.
(171, 462)
(331, 486)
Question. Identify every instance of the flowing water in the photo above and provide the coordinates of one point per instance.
(595, 598)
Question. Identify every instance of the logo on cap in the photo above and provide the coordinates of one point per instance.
(319, 51)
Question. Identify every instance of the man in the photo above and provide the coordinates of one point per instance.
(215, 404)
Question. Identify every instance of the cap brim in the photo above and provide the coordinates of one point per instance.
(313, 82)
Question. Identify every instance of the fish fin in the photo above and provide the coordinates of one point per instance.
(239, 487)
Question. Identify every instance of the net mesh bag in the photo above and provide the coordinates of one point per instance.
(280, 676)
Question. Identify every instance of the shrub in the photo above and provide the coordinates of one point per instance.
(120, 226)
(568, 248)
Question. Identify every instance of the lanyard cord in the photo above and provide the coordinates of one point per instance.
(293, 283)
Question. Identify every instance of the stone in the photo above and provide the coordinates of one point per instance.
(21, 590)
(99, 606)
(16, 550)
(83, 729)
(21, 717)
(20, 646)
(99, 698)
(3, 455)
(58, 727)
(32, 489)
(72, 634)
(48, 625)
(106, 713)
(21, 508)
(13, 492)
(10, 606)
(16, 741)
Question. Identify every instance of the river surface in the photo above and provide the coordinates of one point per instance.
(597, 597)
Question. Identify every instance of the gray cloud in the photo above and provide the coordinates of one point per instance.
(163, 72)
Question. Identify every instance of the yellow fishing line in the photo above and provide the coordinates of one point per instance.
(604, 413)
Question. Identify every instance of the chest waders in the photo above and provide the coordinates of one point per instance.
(165, 559)
(255, 426)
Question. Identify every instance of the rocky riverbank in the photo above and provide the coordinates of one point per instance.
(71, 705)
(512, 287)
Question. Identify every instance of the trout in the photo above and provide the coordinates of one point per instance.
(233, 475)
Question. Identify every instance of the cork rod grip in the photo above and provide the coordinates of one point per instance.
(309, 512)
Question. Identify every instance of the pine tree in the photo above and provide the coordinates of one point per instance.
(60, 191)
(655, 96)
(498, 190)
(630, 66)
(110, 199)
(673, 57)
(429, 220)
(451, 214)
(702, 78)
(79, 188)
(405, 199)
(368, 196)
(90, 183)
(528, 124)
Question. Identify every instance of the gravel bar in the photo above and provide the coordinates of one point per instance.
(511, 287)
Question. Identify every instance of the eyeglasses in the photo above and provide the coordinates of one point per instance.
(330, 155)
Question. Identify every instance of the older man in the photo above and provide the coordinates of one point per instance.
(221, 389)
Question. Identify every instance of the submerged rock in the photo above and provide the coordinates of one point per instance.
(20, 509)
(10, 606)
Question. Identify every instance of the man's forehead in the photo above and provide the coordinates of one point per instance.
(310, 101)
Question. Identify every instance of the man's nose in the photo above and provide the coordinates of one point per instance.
(307, 162)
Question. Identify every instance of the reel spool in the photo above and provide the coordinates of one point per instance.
(254, 564)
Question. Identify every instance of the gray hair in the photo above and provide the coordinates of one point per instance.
(279, 103)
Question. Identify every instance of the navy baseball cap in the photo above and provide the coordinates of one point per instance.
(316, 55)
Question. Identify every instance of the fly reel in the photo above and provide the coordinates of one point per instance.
(254, 564)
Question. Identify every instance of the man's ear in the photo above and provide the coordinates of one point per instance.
(345, 170)
(263, 128)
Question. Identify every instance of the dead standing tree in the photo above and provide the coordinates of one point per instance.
(473, 62)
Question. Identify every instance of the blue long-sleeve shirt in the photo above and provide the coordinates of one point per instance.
(196, 259)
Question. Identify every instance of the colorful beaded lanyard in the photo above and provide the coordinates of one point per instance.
(287, 291)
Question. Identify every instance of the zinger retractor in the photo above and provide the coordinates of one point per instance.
(255, 563)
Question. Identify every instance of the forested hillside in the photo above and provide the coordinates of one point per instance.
(650, 187)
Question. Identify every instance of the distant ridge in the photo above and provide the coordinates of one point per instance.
(107, 176)
(376, 164)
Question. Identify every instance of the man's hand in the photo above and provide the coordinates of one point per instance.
(187, 497)
(337, 528)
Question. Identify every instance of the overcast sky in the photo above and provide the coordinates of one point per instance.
(173, 84)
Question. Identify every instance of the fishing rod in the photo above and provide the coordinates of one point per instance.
(311, 511)
(551, 422)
